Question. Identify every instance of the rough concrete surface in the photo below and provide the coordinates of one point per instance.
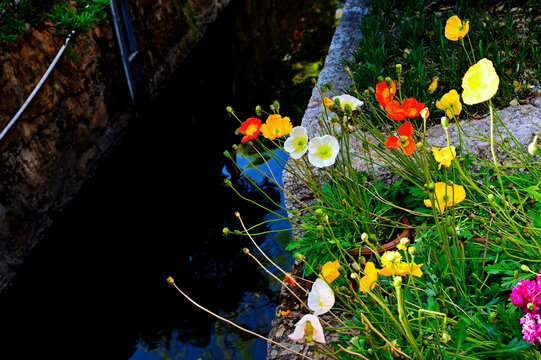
(523, 121)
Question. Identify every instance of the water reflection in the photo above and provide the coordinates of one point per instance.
(96, 286)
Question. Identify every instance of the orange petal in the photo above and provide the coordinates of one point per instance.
(392, 142)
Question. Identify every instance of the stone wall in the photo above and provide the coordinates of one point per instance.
(80, 113)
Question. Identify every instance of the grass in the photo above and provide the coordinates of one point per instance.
(408, 32)
(60, 16)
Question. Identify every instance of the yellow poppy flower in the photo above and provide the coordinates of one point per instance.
(450, 103)
(444, 156)
(480, 82)
(368, 282)
(276, 126)
(446, 195)
(330, 270)
(455, 28)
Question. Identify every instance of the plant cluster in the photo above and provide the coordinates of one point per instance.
(61, 16)
(456, 284)
(407, 32)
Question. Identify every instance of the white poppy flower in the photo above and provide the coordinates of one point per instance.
(296, 143)
(321, 298)
(353, 102)
(322, 151)
(308, 325)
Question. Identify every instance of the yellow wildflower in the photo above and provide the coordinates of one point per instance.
(433, 85)
(330, 270)
(455, 28)
(450, 103)
(276, 126)
(390, 258)
(444, 156)
(446, 195)
(480, 82)
(401, 269)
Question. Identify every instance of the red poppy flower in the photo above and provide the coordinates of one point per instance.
(250, 128)
(412, 108)
(395, 110)
(404, 141)
(385, 93)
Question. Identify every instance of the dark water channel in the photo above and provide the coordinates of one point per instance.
(96, 288)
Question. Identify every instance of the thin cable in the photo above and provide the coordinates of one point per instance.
(36, 89)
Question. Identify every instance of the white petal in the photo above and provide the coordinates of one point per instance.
(297, 131)
(298, 335)
(321, 298)
(345, 98)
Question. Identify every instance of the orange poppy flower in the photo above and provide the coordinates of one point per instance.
(405, 140)
(395, 110)
(250, 128)
(289, 280)
(412, 108)
(385, 93)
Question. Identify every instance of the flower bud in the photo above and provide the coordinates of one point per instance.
(320, 231)
(412, 250)
(403, 244)
(398, 69)
(366, 93)
(364, 236)
(227, 183)
(530, 306)
(524, 267)
(494, 317)
(229, 109)
(516, 274)
(355, 266)
(170, 280)
(258, 110)
(299, 257)
(532, 147)
(380, 78)
(397, 281)
(445, 337)
(227, 154)
(420, 146)
(226, 231)
(246, 251)
(431, 187)
(445, 122)
(276, 105)
(490, 197)
(388, 81)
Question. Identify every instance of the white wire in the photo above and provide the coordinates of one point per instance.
(36, 89)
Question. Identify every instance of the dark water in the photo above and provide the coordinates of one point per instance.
(96, 288)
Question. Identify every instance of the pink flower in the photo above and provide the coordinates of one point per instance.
(531, 327)
(525, 292)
